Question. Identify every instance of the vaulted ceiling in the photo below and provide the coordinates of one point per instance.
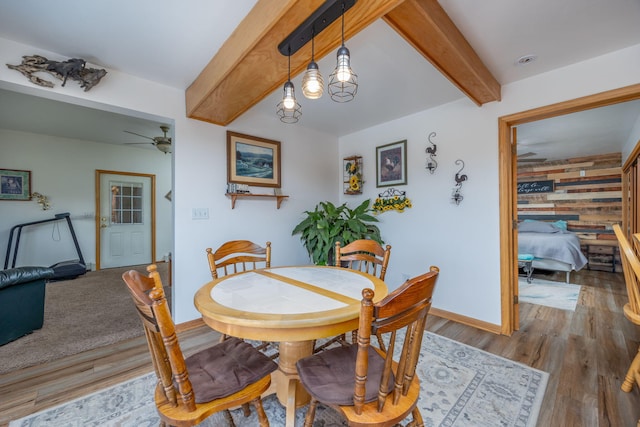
(248, 66)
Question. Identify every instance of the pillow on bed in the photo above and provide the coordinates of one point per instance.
(561, 224)
(538, 227)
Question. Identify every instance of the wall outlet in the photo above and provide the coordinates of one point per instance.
(200, 213)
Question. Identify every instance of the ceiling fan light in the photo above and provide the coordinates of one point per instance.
(312, 82)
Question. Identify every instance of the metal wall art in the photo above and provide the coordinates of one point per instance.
(432, 165)
(456, 197)
(74, 69)
(391, 199)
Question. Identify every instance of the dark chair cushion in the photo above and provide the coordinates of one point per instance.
(226, 368)
(329, 376)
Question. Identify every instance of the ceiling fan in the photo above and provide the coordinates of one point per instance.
(162, 143)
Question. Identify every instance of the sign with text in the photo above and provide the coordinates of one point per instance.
(535, 187)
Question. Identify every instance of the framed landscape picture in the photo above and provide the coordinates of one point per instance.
(391, 164)
(15, 184)
(252, 160)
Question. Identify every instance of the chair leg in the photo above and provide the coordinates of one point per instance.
(417, 418)
(633, 374)
(246, 410)
(262, 416)
(311, 413)
(229, 418)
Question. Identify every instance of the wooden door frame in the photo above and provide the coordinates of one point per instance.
(152, 177)
(507, 186)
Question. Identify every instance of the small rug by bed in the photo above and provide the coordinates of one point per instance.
(460, 386)
(551, 294)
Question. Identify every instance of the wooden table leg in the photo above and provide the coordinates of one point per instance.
(288, 388)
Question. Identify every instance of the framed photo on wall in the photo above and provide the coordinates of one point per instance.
(391, 164)
(252, 160)
(15, 184)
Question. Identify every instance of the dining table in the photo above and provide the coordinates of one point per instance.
(292, 306)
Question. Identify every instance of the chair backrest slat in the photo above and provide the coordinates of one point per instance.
(405, 308)
(166, 355)
(364, 255)
(238, 255)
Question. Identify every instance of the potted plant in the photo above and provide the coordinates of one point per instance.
(327, 224)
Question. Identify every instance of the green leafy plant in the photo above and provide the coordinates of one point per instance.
(327, 224)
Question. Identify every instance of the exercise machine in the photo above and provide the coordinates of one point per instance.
(63, 270)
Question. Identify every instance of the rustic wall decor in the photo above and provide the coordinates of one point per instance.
(432, 165)
(74, 69)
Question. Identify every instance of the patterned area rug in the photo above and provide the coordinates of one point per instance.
(461, 386)
(551, 294)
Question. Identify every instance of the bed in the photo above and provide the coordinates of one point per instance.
(552, 246)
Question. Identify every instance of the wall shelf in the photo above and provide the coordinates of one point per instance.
(234, 196)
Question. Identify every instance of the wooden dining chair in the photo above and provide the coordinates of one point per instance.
(631, 269)
(223, 376)
(365, 384)
(238, 255)
(363, 255)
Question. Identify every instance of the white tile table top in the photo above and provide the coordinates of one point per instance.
(258, 293)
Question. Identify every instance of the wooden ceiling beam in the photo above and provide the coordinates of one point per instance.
(248, 66)
(426, 26)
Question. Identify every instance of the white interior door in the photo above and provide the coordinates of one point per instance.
(125, 221)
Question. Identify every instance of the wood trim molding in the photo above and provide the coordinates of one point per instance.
(507, 173)
(469, 321)
(426, 26)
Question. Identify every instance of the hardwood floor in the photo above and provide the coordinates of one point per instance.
(586, 353)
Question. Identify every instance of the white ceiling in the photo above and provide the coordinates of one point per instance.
(170, 42)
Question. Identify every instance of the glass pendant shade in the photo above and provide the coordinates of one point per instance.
(312, 82)
(343, 82)
(289, 110)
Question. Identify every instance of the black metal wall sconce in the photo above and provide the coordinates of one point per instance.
(457, 197)
(432, 165)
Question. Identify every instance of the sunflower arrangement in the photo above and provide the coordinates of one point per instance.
(397, 203)
(352, 168)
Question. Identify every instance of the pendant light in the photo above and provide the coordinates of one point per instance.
(289, 110)
(343, 82)
(312, 81)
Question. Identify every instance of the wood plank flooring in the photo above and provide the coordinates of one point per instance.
(586, 352)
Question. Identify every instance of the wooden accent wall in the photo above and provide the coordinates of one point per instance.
(587, 194)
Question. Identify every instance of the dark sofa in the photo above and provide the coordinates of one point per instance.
(22, 292)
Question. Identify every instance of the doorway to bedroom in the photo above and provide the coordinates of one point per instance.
(509, 127)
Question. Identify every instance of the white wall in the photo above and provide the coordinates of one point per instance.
(63, 170)
(461, 240)
(464, 240)
(309, 171)
(632, 141)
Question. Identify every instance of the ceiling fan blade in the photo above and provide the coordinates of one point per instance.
(138, 143)
(523, 155)
(531, 160)
(133, 133)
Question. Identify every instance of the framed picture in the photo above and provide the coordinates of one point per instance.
(391, 164)
(15, 184)
(252, 160)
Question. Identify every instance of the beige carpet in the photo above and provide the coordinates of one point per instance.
(91, 311)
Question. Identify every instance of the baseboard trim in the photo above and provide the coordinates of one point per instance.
(469, 321)
(191, 324)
